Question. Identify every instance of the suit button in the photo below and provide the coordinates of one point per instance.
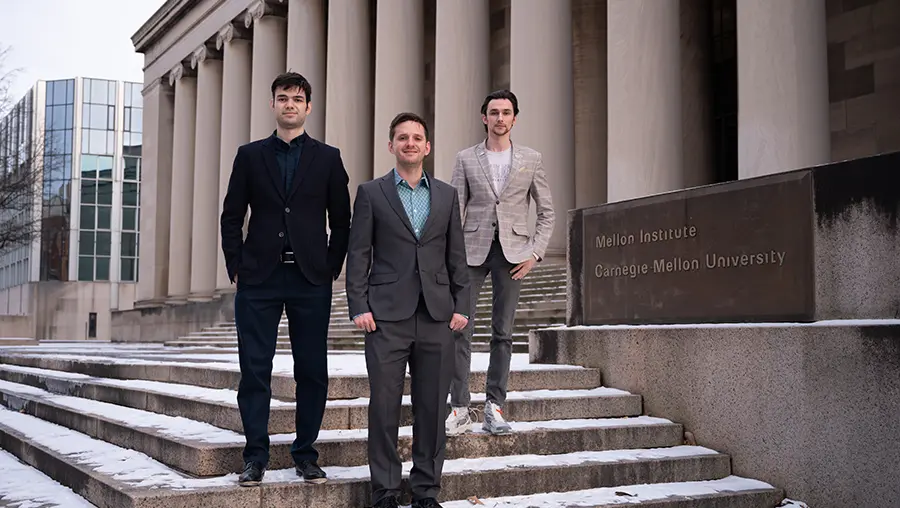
(281, 234)
(493, 224)
(498, 201)
(287, 210)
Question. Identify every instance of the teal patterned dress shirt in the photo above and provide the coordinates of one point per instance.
(416, 202)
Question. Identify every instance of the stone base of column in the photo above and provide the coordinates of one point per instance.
(148, 304)
(177, 300)
(200, 297)
(219, 292)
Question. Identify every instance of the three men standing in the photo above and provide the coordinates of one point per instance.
(287, 263)
(407, 287)
(496, 182)
(418, 253)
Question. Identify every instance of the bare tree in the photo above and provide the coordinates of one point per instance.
(20, 167)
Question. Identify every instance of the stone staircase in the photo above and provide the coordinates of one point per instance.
(542, 303)
(147, 426)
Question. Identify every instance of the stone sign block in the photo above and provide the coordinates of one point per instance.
(805, 245)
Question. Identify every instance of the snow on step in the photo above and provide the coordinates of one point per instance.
(184, 429)
(476, 398)
(226, 396)
(22, 486)
(138, 470)
(345, 364)
(630, 494)
(219, 396)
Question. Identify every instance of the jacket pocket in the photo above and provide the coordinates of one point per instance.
(382, 278)
(520, 229)
(442, 278)
(470, 226)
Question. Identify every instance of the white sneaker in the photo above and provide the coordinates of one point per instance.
(493, 419)
(458, 421)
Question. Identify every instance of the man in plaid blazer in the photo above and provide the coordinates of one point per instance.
(496, 181)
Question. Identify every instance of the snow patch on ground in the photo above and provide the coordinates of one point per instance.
(22, 486)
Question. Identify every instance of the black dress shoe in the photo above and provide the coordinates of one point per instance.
(387, 502)
(428, 502)
(252, 474)
(310, 472)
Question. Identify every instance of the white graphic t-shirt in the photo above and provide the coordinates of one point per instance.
(500, 163)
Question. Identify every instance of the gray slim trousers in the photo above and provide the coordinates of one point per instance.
(504, 301)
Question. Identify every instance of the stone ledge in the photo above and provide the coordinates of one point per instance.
(786, 402)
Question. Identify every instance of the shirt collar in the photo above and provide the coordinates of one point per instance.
(399, 179)
(298, 141)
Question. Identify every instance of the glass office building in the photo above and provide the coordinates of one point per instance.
(85, 134)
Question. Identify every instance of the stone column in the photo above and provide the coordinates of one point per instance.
(269, 54)
(589, 75)
(306, 54)
(644, 98)
(235, 128)
(180, 223)
(541, 77)
(696, 93)
(462, 78)
(349, 100)
(783, 117)
(208, 64)
(156, 189)
(399, 70)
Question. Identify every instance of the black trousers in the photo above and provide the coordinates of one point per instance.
(257, 310)
(428, 347)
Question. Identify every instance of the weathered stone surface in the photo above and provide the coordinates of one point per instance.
(810, 408)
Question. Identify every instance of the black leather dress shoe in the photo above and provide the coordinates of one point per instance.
(311, 472)
(428, 502)
(387, 502)
(252, 475)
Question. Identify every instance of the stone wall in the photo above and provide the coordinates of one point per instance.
(864, 76)
(810, 409)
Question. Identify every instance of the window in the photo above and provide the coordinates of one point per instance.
(57, 146)
(131, 182)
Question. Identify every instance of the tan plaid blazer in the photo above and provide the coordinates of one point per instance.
(483, 210)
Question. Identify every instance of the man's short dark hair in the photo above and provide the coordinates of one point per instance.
(290, 80)
(407, 117)
(501, 94)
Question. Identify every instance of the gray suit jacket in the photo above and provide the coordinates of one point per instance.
(484, 209)
(388, 268)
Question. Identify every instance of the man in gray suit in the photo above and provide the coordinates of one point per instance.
(408, 288)
(496, 181)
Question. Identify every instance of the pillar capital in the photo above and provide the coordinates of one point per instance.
(230, 32)
(261, 8)
(180, 71)
(207, 50)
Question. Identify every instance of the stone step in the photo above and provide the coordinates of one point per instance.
(24, 486)
(227, 375)
(219, 407)
(201, 449)
(128, 479)
(729, 492)
(344, 345)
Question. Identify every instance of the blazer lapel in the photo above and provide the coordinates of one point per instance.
(390, 192)
(306, 157)
(514, 167)
(272, 166)
(481, 155)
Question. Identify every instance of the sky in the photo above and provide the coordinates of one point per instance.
(55, 39)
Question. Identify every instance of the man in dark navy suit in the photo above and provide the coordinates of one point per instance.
(290, 182)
